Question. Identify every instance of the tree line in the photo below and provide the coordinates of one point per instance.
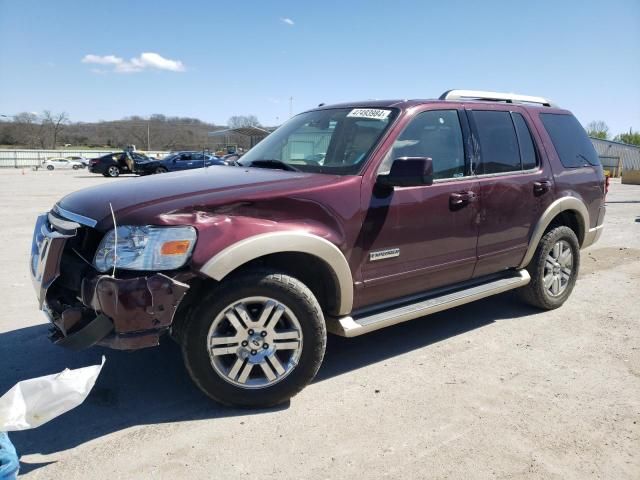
(157, 132)
(599, 129)
(51, 130)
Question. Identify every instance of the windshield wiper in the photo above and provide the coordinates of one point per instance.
(273, 164)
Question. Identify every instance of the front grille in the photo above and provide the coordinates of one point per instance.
(75, 262)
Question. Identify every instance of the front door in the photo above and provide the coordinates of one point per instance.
(424, 237)
(183, 161)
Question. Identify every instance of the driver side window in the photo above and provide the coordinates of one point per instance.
(435, 134)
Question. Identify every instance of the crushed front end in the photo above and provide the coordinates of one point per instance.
(119, 309)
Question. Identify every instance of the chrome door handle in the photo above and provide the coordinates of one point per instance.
(542, 186)
(461, 199)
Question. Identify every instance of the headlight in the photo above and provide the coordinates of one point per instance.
(145, 248)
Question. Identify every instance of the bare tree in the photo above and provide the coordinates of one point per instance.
(27, 130)
(239, 121)
(54, 123)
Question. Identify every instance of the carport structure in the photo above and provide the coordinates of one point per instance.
(245, 137)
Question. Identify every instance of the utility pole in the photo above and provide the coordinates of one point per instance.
(148, 139)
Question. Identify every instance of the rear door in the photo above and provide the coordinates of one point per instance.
(197, 161)
(515, 186)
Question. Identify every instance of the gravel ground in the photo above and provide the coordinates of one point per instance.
(489, 390)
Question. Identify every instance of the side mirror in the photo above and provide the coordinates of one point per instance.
(408, 172)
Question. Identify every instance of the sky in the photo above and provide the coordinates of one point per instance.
(104, 60)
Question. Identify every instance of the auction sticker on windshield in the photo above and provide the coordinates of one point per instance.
(374, 113)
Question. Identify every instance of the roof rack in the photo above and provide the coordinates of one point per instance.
(494, 97)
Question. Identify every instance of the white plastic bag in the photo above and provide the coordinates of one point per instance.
(30, 403)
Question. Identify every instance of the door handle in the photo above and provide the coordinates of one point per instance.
(461, 199)
(542, 186)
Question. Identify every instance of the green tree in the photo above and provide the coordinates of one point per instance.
(598, 129)
(632, 138)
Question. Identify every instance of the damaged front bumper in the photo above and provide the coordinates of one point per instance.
(120, 313)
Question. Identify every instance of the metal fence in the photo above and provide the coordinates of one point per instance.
(10, 158)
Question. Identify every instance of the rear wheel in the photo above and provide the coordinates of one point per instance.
(256, 341)
(553, 269)
(75, 167)
(113, 171)
(50, 167)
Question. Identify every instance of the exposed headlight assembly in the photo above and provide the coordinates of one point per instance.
(145, 248)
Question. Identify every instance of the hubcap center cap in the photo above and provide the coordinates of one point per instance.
(255, 341)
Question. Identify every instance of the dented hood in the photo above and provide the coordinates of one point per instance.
(210, 186)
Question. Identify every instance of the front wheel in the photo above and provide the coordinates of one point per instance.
(50, 167)
(256, 341)
(160, 170)
(75, 167)
(553, 269)
(113, 171)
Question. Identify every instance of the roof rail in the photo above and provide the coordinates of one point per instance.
(494, 97)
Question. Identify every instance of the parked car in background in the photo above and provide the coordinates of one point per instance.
(178, 161)
(62, 163)
(114, 164)
(84, 161)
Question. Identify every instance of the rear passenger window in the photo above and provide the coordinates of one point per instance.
(527, 150)
(499, 150)
(570, 140)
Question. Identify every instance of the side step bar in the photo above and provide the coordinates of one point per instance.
(352, 327)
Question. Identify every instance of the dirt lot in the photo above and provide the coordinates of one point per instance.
(489, 390)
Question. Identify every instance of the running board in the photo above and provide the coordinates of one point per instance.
(352, 327)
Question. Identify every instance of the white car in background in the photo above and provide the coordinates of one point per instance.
(62, 163)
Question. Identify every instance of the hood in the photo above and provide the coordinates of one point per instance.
(212, 185)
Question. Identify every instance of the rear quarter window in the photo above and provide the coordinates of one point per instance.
(570, 140)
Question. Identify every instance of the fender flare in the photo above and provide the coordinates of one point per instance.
(237, 254)
(552, 211)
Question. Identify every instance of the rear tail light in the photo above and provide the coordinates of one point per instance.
(93, 162)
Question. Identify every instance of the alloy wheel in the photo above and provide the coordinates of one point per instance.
(255, 342)
(558, 268)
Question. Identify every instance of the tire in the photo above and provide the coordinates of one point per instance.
(541, 292)
(160, 170)
(75, 167)
(113, 171)
(50, 167)
(220, 375)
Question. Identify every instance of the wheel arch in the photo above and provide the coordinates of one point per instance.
(568, 211)
(289, 250)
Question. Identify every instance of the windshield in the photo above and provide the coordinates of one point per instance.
(335, 141)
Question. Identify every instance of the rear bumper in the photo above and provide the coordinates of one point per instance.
(120, 313)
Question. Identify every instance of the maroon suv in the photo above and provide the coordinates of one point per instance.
(346, 219)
